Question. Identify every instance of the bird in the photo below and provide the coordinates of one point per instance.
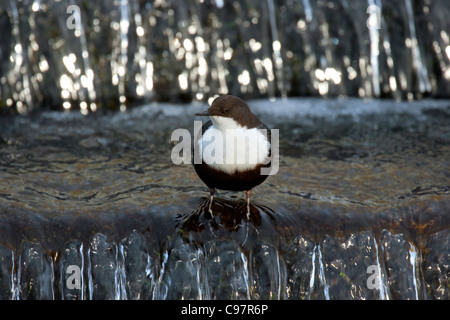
(234, 146)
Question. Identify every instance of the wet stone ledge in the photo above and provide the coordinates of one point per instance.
(358, 210)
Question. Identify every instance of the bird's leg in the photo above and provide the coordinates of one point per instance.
(247, 195)
(211, 192)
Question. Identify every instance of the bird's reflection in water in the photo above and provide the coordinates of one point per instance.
(229, 220)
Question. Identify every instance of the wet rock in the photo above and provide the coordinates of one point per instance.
(402, 261)
(105, 270)
(226, 270)
(6, 273)
(183, 273)
(36, 273)
(139, 267)
(72, 283)
(436, 266)
(267, 273)
(300, 259)
(347, 263)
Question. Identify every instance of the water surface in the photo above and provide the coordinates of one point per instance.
(361, 183)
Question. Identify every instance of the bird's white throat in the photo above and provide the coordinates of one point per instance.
(229, 147)
(224, 123)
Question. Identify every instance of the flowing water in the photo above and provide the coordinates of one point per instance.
(89, 55)
(358, 208)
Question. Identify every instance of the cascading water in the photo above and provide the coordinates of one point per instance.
(91, 207)
(321, 273)
(244, 276)
(89, 55)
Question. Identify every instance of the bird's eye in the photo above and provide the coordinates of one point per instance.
(226, 110)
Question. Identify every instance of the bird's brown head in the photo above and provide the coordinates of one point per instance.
(232, 107)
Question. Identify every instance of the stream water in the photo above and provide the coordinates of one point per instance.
(358, 208)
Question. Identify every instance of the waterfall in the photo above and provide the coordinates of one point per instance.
(114, 55)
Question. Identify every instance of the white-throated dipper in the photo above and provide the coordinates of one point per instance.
(233, 148)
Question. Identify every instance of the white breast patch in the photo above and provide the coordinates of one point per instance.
(228, 147)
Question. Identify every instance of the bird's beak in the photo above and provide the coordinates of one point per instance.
(203, 114)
